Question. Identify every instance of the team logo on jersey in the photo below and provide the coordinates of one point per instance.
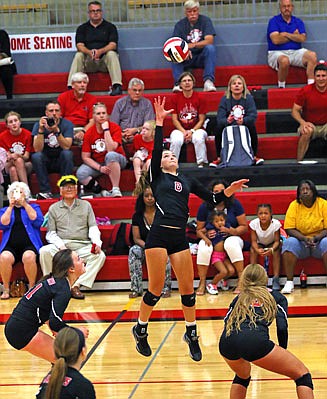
(99, 145)
(178, 186)
(52, 141)
(194, 36)
(18, 148)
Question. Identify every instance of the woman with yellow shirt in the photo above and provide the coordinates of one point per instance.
(306, 225)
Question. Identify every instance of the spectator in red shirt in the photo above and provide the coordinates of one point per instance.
(143, 147)
(17, 142)
(77, 106)
(102, 153)
(188, 118)
(310, 110)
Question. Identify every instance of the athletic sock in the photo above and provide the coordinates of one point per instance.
(281, 85)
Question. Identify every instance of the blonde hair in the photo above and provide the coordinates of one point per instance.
(253, 290)
(228, 92)
(12, 113)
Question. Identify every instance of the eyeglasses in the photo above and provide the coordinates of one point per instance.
(95, 11)
(69, 188)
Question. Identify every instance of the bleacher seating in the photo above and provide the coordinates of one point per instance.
(115, 268)
(273, 119)
(154, 79)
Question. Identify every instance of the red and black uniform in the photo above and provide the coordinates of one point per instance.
(251, 343)
(172, 195)
(46, 301)
(75, 386)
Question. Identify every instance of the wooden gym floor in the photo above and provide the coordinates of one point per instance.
(118, 371)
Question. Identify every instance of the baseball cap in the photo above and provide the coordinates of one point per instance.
(69, 179)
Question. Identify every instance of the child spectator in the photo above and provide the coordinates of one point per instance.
(265, 239)
(143, 146)
(219, 259)
(17, 142)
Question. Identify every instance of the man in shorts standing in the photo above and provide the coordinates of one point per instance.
(285, 35)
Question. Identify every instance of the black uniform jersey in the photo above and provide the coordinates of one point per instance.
(262, 325)
(172, 191)
(47, 300)
(253, 343)
(75, 386)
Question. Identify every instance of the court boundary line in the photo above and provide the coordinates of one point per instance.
(106, 332)
(151, 361)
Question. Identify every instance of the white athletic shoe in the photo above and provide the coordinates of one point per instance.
(209, 86)
(115, 192)
(212, 289)
(288, 287)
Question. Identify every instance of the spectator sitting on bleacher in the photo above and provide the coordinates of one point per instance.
(102, 153)
(199, 33)
(72, 224)
(52, 140)
(143, 146)
(77, 106)
(237, 107)
(17, 141)
(188, 118)
(20, 222)
(97, 46)
(130, 112)
(306, 225)
(142, 220)
(233, 244)
(8, 66)
(285, 35)
(310, 110)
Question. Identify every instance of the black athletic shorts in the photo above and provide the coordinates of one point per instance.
(246, 344)
(18, 252)
(19, 333)
(174, 240)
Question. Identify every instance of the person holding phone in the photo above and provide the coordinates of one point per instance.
(21, 240)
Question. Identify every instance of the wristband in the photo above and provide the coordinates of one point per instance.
(40, 132)
(106, 130)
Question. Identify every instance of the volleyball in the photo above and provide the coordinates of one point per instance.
(175, 49)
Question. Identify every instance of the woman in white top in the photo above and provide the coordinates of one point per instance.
(265, 239)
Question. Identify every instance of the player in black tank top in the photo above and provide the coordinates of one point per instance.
(167, 236)
(245, 338)
(46, 302)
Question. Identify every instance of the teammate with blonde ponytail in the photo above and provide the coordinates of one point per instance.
(245, 338)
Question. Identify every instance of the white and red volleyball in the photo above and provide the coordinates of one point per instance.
(175, 49)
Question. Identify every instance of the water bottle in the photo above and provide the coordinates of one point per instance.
(303, 279)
